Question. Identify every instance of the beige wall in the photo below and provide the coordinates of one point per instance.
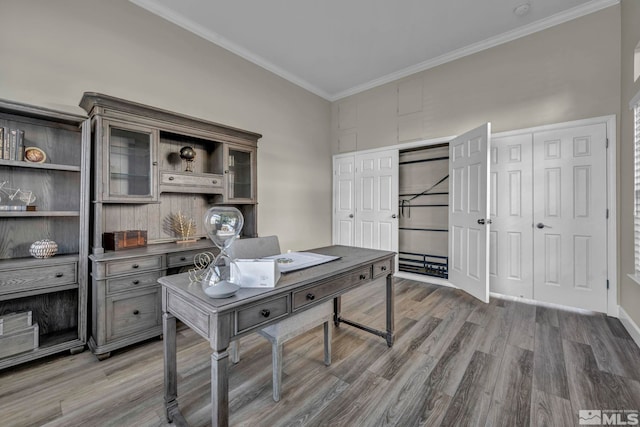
(629, 290)
(563, 73)
(53, 51)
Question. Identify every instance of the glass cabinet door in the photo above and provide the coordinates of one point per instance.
(131, 164)
(240, 172)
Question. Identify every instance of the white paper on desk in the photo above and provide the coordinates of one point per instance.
(255, 273)
(293, 261)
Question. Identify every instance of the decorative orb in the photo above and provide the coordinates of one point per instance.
(187, 153)
(43, 248)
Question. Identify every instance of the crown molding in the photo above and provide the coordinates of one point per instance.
(534, 27)
(187, 24)
(542, 24)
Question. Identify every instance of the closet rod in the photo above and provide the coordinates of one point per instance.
(408, 162)
(425, 206)
(427, 255)
(424, 229)
(441, 193)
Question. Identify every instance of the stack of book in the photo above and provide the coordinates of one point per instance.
(26, 208)
(11, 144)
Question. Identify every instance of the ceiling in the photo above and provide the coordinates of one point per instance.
(335, 48)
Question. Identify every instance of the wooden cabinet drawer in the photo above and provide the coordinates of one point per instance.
(381, 268)
(135, 281)
(133, 265)
(131, 312)
(179, 259)
(190, 179)
(251, 317)
(323, 290)
(18, 280)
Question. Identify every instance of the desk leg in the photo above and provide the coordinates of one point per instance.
(220, 388)
(170, 368)
(337, 302)
(390, 311)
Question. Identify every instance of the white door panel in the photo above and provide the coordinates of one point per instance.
(377, 200)
(511, 175)
(570, 188)
(344, 200)
(469, 212)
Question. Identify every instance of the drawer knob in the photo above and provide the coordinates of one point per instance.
(136, 312)
(265, 312)
(383, 268)
(59, 274)
(135, 282)
(362, 277)
(171, 178)
(183, 258)
(214, 181)
(311, 296)
(135, 266)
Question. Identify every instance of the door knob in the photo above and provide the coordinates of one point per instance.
(483, 221)
(540, 225)
(350, 215)
(394, 216)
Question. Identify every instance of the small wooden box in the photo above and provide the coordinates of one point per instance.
(129, 239)
(12, 322)
(19, 341)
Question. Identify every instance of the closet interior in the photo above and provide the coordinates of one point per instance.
(423, 236)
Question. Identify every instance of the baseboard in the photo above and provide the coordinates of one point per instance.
(540, 303)
(630, 325)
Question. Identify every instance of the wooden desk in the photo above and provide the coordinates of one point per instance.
(220, 320)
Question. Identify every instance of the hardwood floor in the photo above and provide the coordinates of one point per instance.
(456, 362)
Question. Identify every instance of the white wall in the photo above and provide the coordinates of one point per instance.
(53, 51)
(630, 290)
(567, 72)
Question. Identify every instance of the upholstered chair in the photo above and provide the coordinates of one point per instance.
(282, 331)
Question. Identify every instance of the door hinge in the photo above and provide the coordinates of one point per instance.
(607, 144)
(607, 213)
(607, 283)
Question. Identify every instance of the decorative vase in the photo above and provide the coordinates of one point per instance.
(43, 248)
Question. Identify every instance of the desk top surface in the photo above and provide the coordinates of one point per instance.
(350, 258)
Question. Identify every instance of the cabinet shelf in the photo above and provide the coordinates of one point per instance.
(37, 214)
(46, 166)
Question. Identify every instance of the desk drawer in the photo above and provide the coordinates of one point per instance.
(37, 277)
(206, 180)
(323, 290)
(381, 268)
(131, 312)
(251, 317)
(135, 281)
(179, 259)
(133, 265)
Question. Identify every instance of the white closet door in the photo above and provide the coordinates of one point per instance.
(377, 200)
(469, 212)
(344, 200)
(570, 190)
(511, 209)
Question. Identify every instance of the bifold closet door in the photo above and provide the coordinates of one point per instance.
(548, 206)
(511, 237)
(344, 200)
(569, 217)
(469, 212)
(377, 200)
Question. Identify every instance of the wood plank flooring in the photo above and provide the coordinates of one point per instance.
(456, 362)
